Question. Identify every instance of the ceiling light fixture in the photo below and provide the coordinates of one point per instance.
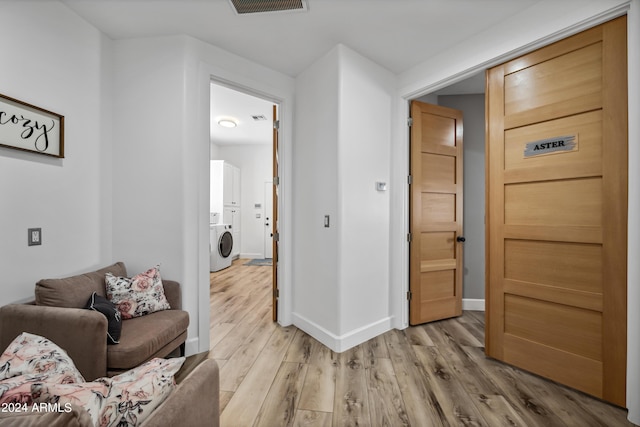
(227, 123)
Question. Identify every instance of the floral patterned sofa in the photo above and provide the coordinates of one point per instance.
(40, 386)
(60, 313)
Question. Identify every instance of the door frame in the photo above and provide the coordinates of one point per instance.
(399, 303)
(284, 102)
(399, 267)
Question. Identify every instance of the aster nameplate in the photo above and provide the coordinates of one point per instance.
(560, 144)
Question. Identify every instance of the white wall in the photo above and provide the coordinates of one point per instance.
(364, 144)
(472, 107)
(255, 163)
(315, 188)
(161, 182)
(53, 59)
(344, 102)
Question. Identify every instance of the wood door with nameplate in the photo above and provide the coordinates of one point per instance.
(557, 211)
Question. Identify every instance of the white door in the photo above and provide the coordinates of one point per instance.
(268, 217)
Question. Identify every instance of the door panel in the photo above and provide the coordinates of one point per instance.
(438, 208)
(554, 203)
(436, 213)
(588, 156)
(556, 220)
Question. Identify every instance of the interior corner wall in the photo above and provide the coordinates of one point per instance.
(148, 145)
(472, 107)
(364, 146)
(149, 200)
(53, 59)
(315, 187)
(343, 144)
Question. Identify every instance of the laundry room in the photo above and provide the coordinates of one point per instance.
(241, 183)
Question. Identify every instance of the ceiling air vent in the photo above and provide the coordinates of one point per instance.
(260, 6)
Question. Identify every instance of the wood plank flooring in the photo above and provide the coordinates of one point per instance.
(430, 375)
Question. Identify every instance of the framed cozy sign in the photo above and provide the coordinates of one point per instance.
(27, 127)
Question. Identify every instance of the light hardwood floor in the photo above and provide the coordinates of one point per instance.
(430, 375)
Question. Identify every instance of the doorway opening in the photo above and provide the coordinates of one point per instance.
(243, 165)
(468, 96)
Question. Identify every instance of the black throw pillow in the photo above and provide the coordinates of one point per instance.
(106, 307)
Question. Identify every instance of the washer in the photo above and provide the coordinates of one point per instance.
(221, 246)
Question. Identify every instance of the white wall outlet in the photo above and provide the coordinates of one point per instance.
(34, 236)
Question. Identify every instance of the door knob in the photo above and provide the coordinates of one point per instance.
(461, 239)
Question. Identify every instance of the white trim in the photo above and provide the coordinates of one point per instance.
(633, 230)
(251, 256)
(344, 342)
(284, 97)
(473, 304)
(191, 346)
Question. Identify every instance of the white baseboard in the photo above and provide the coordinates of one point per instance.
(340, 343)
(192, 346)
(473, 304)
(251, 256)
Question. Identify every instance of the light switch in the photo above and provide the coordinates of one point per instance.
(381, 186)
(326, 221)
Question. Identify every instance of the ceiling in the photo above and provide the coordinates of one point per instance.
(396, 34)
(240, 107)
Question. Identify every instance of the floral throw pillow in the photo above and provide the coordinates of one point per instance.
(32, 354)
(18, 389)
(124, 400)
(139, 295)
(32, 359)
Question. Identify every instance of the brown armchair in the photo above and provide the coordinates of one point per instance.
(58, 314)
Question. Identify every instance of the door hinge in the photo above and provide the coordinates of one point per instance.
(276, 236)
(410, 121)
(409, 237)
(410, 179)
(276, 124)
(276, 293)
(276, 180)
(409, 295)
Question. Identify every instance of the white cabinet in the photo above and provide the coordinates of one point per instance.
(225, 198)
(231, 178)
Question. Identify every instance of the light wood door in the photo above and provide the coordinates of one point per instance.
(268, 214)
(557, 211)
(435, 268)
(274, 216)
